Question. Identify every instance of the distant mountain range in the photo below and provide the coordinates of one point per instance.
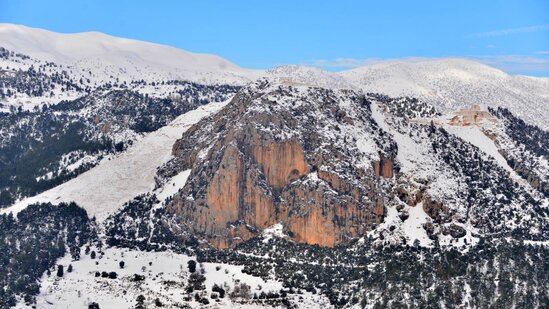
(446, 83)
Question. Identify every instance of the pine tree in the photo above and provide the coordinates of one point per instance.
(93, 305)
(192, 266)
(59, 270)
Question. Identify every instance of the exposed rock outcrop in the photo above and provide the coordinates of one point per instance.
(263, 160)
(471, 116)
(383, 168)
(287, 155)
(436, 210)
(280, 162)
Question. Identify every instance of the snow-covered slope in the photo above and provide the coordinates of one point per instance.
(105, 56)
(450, 84)
(164, 278)
(93, 59)
(308, 76)
(105, 188)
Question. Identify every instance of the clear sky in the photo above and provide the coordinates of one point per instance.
(511, 35)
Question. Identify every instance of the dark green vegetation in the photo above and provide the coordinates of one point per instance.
(527, 143)
(32, 242)
(496, 274)
(25, 156)
(137, 225)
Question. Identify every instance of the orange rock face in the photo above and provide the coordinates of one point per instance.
(315, 228)
(224, 192)
(239, 199)
(222, 199)
(240, 196)
(258, 208)
(281, 162)
(250, 180)
(234, 193)
(319, 217)
(383, 168)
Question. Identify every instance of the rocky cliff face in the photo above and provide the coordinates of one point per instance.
(335, 165)
(281, 154)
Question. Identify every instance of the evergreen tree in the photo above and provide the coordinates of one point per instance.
(59, 270)
(192, 266)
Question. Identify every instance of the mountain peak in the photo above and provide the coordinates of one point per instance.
(453, 83)
(89, 50)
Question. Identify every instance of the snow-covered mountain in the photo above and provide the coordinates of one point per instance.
(108, 57)
(124, 163)
(300, 75)
(90, 60)
(450, 84)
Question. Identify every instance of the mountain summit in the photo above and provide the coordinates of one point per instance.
(126, 59)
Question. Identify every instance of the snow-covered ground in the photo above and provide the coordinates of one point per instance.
(475, 136)
(116, 180)
(417, 161)
(173, 185)
(165, 273)
(413, 226)
(274, 231)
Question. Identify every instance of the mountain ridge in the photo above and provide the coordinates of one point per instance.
(448, 83)
(84, 50)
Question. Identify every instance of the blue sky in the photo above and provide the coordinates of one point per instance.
(511, 35)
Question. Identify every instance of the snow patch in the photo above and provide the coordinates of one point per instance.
(176, 183)
(413, 226)
(274, 231)
(166, 274)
